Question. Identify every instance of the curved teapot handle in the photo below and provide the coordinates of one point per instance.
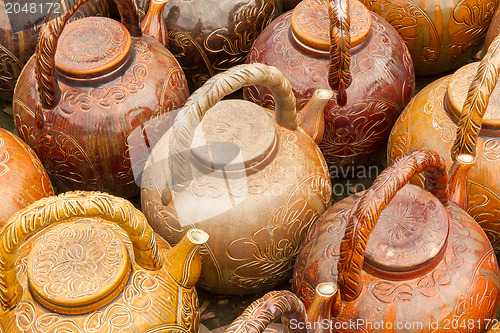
(339, 72)
(49, 90)
(212, 92)
(367, 209)
(262, 312)
(477, 101)
(67, 205)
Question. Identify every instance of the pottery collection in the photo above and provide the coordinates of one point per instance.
(160, 146)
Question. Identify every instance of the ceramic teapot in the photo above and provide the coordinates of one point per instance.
(441, 35)
(340, 44)
(23, 180)
(208, 37)
(97, 81)
(19, 30)
(404, 259)
(255, 184)
(91, 264)
(459, 114)
(493, 30)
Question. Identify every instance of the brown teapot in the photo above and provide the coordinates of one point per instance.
(342, 45)
(23, 180)
(19, 32)
(441, 35)
(104, 80)
(404, 259)
(93, 264)
(454, 115)
(255, 184)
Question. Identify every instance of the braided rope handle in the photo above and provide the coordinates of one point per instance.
(55, 209)
(211, 93)
(476, 104)
(45, 51)
(339, 73)
(366, 211)
(268, 308)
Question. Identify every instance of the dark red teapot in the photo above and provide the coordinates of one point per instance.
(97, 81)
(342, 45)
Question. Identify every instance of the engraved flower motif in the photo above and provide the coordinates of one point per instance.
(402, 223)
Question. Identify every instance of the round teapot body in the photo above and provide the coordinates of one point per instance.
(256, 217)
(19, 36)
(429, 122)
(441, 35)
(382, 84)
(81, 272)
(208, 36)
(86, 141)
(22, 176)
(459, 291)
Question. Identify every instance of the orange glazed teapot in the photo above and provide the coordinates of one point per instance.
(404, 259)
(254, 183)
(342, 45)
(460, 114)
(23, 180)
(93, 264)
(104, 80)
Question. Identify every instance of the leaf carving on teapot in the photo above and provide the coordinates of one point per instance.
(4, 158)
(10, 68)
(410, 21)
(114, 93)
(469, 22)
(268, 262)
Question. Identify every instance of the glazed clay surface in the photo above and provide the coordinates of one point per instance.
(95, 267)
(19, 32)
(441, 34)
(96, 95)
(378, 80)
(23, 180)
(211, 36)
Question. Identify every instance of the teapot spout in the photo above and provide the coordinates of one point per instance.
(325, 304)
(153, 24)
(312, 117)
(457, 185)
(183, 261)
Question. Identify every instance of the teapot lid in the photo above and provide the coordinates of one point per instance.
(78, 267)
(234, 135)
(91, 47)
(457, 93)
(311, 24)
(410, 235)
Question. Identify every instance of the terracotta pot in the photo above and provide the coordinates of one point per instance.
(95, 266)
(493, 30)
(253, 183)
(208, 37)
(458, 114)
(20, 29)
(404, 255)
(105, 80)
(367, 65)
(23, 180)
(441, 35)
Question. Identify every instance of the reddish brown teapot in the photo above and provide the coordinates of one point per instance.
(340, 44)
(104, 80)
(23, 180)
(404, 259)
(254, 182)
(20, 25)
(89, 262)
(441, 35)
(460, 114)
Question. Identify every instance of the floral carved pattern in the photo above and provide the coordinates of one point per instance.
(10, 68)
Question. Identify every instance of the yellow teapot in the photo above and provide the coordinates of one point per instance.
(93, 264)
